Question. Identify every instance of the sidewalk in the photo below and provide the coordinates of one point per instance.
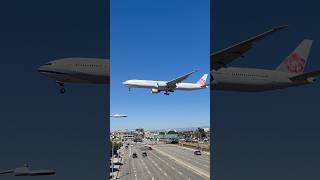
(116, 174)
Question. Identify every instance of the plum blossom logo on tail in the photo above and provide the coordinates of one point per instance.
(295, 63)
(202, 81)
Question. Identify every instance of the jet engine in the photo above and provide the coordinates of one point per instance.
(311, 80)
(154, 91)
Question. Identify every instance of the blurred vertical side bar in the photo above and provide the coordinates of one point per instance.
(108, 86)
(212, 145)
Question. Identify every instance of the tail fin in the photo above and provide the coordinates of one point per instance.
(202, 80)
(296, 61)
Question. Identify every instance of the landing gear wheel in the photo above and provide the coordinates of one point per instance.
(166, 93)
(62, 90)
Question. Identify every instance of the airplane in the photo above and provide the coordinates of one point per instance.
(25, 171)
(118, 116)
(168, 86)
(288, 74)
(76, 70)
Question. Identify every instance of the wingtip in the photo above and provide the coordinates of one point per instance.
(280, 27)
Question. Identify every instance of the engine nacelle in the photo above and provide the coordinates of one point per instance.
(155, 91)
(311, 80)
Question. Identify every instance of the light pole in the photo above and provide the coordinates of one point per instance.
(112, 147)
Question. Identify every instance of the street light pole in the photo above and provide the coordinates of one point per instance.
(112, 155)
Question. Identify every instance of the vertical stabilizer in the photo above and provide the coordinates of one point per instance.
(202, 80)
(297, 60)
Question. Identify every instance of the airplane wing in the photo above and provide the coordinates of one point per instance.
(305, 76)
(172, 84)
(227, 55)
(41, 172)
(6, 171)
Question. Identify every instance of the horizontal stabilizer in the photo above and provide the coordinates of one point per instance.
(307, 75)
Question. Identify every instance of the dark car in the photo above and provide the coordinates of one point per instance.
(144, 154)
(149, 148)
(134, 155)
(197, 152)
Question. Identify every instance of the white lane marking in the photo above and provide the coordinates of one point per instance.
(144, 165)
(183, 164)
(193, 160)
(175, 151)
(171, 167)
(158, 168)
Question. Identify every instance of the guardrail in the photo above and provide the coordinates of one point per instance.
(203, 147)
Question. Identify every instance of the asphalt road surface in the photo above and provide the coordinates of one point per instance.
(158, 166)
(187, 155)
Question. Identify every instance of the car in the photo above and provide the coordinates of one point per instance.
(134, 155)
(149, 148)
(144, 154)
(197, 153)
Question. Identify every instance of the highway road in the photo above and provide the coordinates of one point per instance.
(186, 155)
(156, 166)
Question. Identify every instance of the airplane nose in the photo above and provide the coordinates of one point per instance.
(125, 83)
(40, 69)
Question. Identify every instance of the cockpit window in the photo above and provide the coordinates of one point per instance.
(48, 64)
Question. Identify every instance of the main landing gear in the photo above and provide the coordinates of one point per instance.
(167, 92)
(62, 89)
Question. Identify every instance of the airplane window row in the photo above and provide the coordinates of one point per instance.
(248, 75)
(89, 65)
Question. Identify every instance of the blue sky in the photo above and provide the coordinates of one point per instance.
(269, 135)
(159, 40)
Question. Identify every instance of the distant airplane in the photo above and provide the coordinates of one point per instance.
(288, 74)
(118, 116)
(25, 171)
(168, 86)
(76, 70)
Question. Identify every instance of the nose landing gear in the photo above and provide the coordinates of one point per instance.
(62, 89)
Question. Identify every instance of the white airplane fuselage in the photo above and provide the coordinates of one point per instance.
(160, 85)
(77, 70)
(249, 79)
